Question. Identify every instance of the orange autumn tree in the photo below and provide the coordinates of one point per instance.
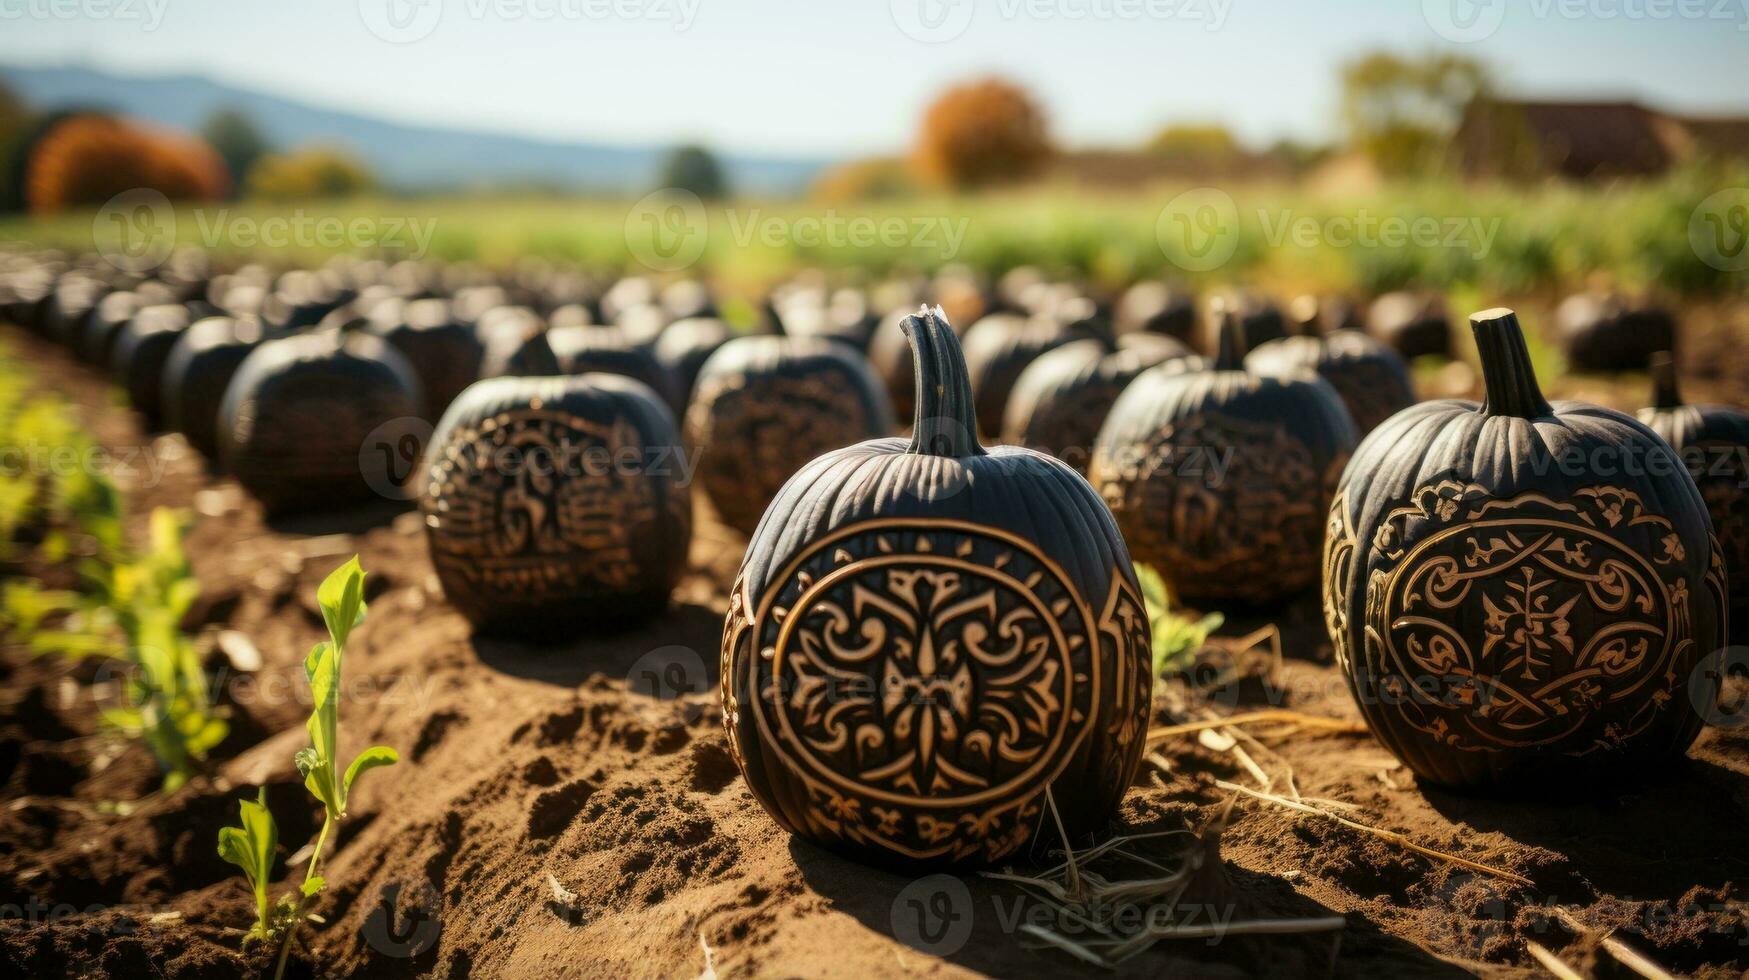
(986, 132)
(88, 158)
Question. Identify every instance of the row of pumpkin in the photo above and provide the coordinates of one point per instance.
(282, 380)
(925, 634)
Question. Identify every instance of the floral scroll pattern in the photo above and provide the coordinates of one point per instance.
(925, 681)
(1498, 623)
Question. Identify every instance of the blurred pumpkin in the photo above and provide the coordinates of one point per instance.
(1412, 324)
(445, 352)
(551, 503)
(1220, 478)
(197, 371)
(765, 406)
(137, 358)
(296, 416)
(1062, 398)
(997, 349)
(1372, 379)
(1602, 331)
(684, 347)
(1712, 441)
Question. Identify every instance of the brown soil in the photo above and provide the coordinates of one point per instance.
(555, 815)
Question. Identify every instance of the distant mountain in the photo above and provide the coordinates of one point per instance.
(409, 157)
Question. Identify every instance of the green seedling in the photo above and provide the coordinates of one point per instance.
(1176, 638)
(341, 596)
(251, 848)
(133, 613)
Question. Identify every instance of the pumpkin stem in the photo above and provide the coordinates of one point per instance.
(1230, 353)
(946, 423)
(1506, 369)
(1665, 393)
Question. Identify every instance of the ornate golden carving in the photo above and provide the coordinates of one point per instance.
(1501, 623)
(757, 433)
(538, 504)
(923, 681)
(1222, 507)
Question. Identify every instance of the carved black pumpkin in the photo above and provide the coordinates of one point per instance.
(1713, 442)
(997, 349)
(765, 406)
(1520, 592)
(1220, 478)
(445, 352)
(1412, 324)
(555, 502)
(925, 636)
(1061, 399)
(1608, 332)
(295, 419)
(684, 347)
(197, 372)
(141, 348)
(1372, 379)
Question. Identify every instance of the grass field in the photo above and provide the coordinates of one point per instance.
(1494, 240)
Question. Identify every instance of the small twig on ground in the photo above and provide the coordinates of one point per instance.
(1624, 954)
(1551, 962)
(1281, 715)
(1389, 835)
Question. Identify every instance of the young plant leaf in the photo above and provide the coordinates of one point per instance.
(250, 847)
(371, 758)
(341, 596)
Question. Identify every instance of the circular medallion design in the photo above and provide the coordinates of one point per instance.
(926, 680)
(539, 505)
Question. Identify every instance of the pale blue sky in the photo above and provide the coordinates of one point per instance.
(840, 77)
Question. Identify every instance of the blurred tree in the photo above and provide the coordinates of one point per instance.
(1197, 147)
(14, 121)
(693, 168)
(870, 179)
(1401, 112)
(311, 172)
(1297, 157)
(983, 133)
(238, 142)
(86, 158)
